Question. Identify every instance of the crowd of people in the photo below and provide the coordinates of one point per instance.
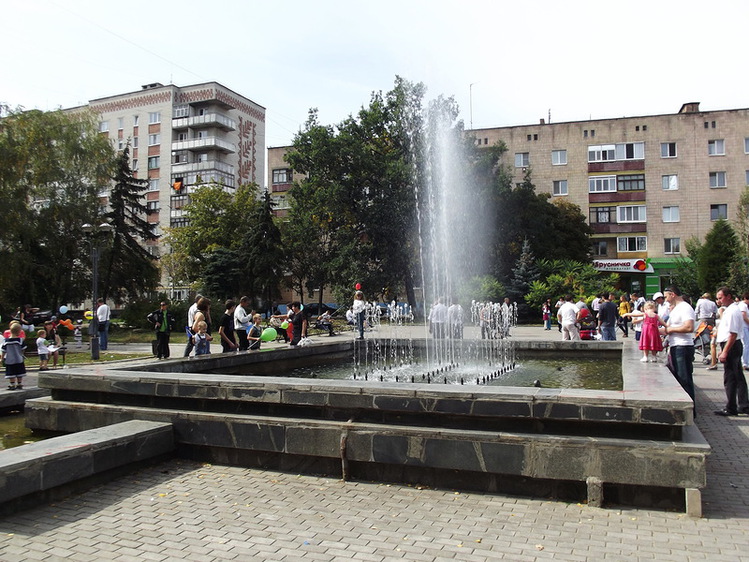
(666, 328)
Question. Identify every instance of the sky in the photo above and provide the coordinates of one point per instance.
(504, 63)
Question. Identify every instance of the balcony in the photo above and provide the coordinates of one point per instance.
(618, 228)
(616, 196)
(183, 169)
(206, 143)
(207, 120)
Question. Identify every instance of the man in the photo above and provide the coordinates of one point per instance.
(242, 322)
(706, 310)
(438, 319)
(730, 332)
(596, 305)
(298, 323)
(607, 312)
(662, 307)
(102, 315)
(680, 332)
(163, 322)
(567, 317)
(190, 321)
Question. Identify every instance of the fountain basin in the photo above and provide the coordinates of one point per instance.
(639, 445)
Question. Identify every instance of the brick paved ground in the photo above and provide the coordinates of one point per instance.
(181, 510)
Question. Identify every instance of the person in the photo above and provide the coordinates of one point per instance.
(713, 344)
(103, 316)
(56, 343)
(546, 314)
(42, 349)
(277, 320)
(557, 306)
(190, 322)
(12, 349)
(202, 314)
(254, 333)
(202, 339)
(325, 322)
(744, 306)
(607, 312)
(438, 319)
(455, 320)
(242, 321)
(226, 329)
(730, 332)
(298, 322)
(661, 306)
(637, 303)
(568, 315)
(650, 340)
(595, 306)
(706, 310)
(26, 318)
(359, 308)
(624, 309)
(163, 323)
(350, 319)
(485, 321)
(680, 332)
(580, 304)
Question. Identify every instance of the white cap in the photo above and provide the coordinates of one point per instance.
(658, 295)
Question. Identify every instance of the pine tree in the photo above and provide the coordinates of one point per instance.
(264, 252)
(716, 256)
(130, 268)
(524, 273)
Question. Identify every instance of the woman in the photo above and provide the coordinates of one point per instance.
(359, 309)
(203, 314)
(546, 311)
(625, 307)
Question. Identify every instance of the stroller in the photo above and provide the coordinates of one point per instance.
(702, 341)
(588, 327)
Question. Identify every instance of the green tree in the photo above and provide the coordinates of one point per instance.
(52, 166)
(129, 270)
(523, 274)
(560, 277)
(720, 249)
(264, 253)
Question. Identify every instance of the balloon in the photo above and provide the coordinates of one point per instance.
(284, 325)
(67, 323)
(63, 309)
(269, 334)
(88, 315)
(358, 286)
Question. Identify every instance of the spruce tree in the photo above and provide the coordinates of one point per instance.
(716, 256)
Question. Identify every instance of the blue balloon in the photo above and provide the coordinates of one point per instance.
(63, 309)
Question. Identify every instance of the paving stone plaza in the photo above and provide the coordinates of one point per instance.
(184, 510)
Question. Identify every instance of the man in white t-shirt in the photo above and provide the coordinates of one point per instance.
(680, 332)
(568, 316)
(730, 332)
(103, 314)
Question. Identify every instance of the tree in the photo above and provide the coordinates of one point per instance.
(561, 277)
(264, 253)
(129, 269)
(523, 274)
(716, 255)
(52, 167)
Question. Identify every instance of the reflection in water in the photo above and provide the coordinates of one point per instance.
(14, 432)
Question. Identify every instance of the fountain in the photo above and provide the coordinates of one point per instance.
(637, 445)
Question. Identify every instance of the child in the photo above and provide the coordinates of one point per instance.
(13, 348)
(202, 339)
(650, 339)
(255, 331)
(42, 349)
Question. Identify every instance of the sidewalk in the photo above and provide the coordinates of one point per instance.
(182, 510)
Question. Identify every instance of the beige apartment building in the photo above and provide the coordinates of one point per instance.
(181, 137)
(647, 184)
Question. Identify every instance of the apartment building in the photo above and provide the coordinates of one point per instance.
(280, 179)
(181, 137)
(647, 184)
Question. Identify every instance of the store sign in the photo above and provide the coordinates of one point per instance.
(624, 266)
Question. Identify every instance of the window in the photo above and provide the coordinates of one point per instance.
(718, 212)
(135, 142)
(631, 213)
(670, 182)
(103, 126)
(181, 111)
(631, 182)
(153, 162)
(136, 120)
(671, 214)
(600, 248)
(153, 184)
(154, 117)
(558, 157)
(717, 179)
(599, 184)
(522, 159)
(746, 145)
(181, 136)
(668, 150)
(152, 206)
(747, 177)
(120, 123)
(671, 245)
(632, 244)
(282, 175)
(134, 165)
(621, 151)
(716, 147)
(154, 139)
(120, 144)
(602, 214)
(560, 187)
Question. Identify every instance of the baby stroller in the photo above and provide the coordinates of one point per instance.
(702, 341)
(588, 327)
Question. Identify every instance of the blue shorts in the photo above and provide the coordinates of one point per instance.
(43, 357)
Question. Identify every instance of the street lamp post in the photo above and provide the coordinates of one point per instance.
(92, 232)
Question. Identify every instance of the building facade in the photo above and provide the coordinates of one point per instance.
(647, 184)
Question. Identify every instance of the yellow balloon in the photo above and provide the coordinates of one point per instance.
(88, 315)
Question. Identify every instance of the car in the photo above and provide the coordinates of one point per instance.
(314, 308)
